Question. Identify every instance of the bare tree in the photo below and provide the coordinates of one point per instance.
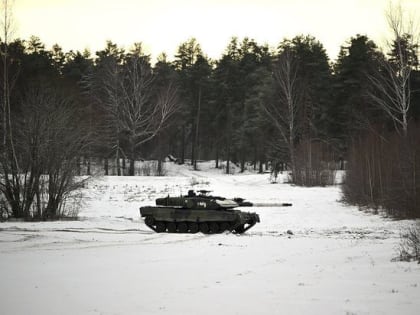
(391, 92)
(6, 21)
(102, 84)
(10, 169)
(48, 143)
(109, 83)
(391, 86)
(143, 111)
(283, 109)
(136, 107)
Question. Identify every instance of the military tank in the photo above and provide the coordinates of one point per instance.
(195, 213)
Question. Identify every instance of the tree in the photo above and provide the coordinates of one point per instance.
(391, 87)
(143, 113)
(298, 106)
(237, 75)
(48, 141)
(51, 124)
(102, 83)
(194, 70)
(284, 105)
(315, 74)
(254, 64)
(227, 84)
(383, 162)
(257, 129)
(352, 112)
(77, 65)
(164, 75)
(9, 161)
(58, 57)
(135, 109)
(312, 141)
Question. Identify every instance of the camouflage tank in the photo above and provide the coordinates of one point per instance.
(194, 213)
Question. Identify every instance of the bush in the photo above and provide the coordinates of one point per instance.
(384, 172)
(39, 162)
(152, 168)
(313, 166)
(410, 244)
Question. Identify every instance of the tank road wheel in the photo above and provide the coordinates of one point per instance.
(224, 226)
(204, 228)
(240, 229)
(171, 227)
(193, 227)
(214, 227)
(182, 227)
(160, 226)
(149, 221)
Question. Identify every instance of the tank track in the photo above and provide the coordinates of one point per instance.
(195, 227)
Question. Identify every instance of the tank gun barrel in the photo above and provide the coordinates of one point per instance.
(275, 204)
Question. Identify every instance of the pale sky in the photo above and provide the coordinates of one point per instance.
(162, 25)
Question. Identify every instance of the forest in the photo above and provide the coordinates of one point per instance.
(288, 108)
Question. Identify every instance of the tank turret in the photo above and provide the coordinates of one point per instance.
(197, 201)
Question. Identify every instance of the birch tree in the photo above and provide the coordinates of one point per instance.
(391, 87)
(10, 182)
(285, 104)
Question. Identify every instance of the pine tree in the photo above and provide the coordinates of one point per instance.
(351, 110)
(194, 72)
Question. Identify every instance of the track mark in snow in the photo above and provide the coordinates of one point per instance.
(189, 238)
(247, 272)
(348, 233)
(79, 230)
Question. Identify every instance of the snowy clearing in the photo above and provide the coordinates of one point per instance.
(338, 260)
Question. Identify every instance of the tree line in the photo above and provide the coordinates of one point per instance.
(288, 108)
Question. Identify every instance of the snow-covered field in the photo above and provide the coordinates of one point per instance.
(338, 260)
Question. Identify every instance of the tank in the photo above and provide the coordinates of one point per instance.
(200, 212)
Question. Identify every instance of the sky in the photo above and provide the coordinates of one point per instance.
(162, 25)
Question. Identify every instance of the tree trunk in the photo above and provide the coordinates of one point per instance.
(183, 145)
(123, 167)
(228, 158)
(79, 172)
(193, 149)
(197, 128)
(88, 166)
(117, 160)
(255, 158)
(106, 166)
(217, 156)
(159, 166)
(131, 167)
(227, 165)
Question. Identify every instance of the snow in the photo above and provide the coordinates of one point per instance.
(338, 259)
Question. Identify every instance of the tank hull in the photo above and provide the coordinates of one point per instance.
(187, 220)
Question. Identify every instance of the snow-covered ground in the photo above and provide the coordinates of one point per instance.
(338, 260)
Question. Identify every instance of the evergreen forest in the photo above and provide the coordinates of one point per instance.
(255, 108)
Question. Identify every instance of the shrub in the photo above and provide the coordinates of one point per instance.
(313, 166)
(409, 248)
(384, 172)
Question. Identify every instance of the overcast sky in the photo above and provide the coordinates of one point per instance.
(163, 24)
